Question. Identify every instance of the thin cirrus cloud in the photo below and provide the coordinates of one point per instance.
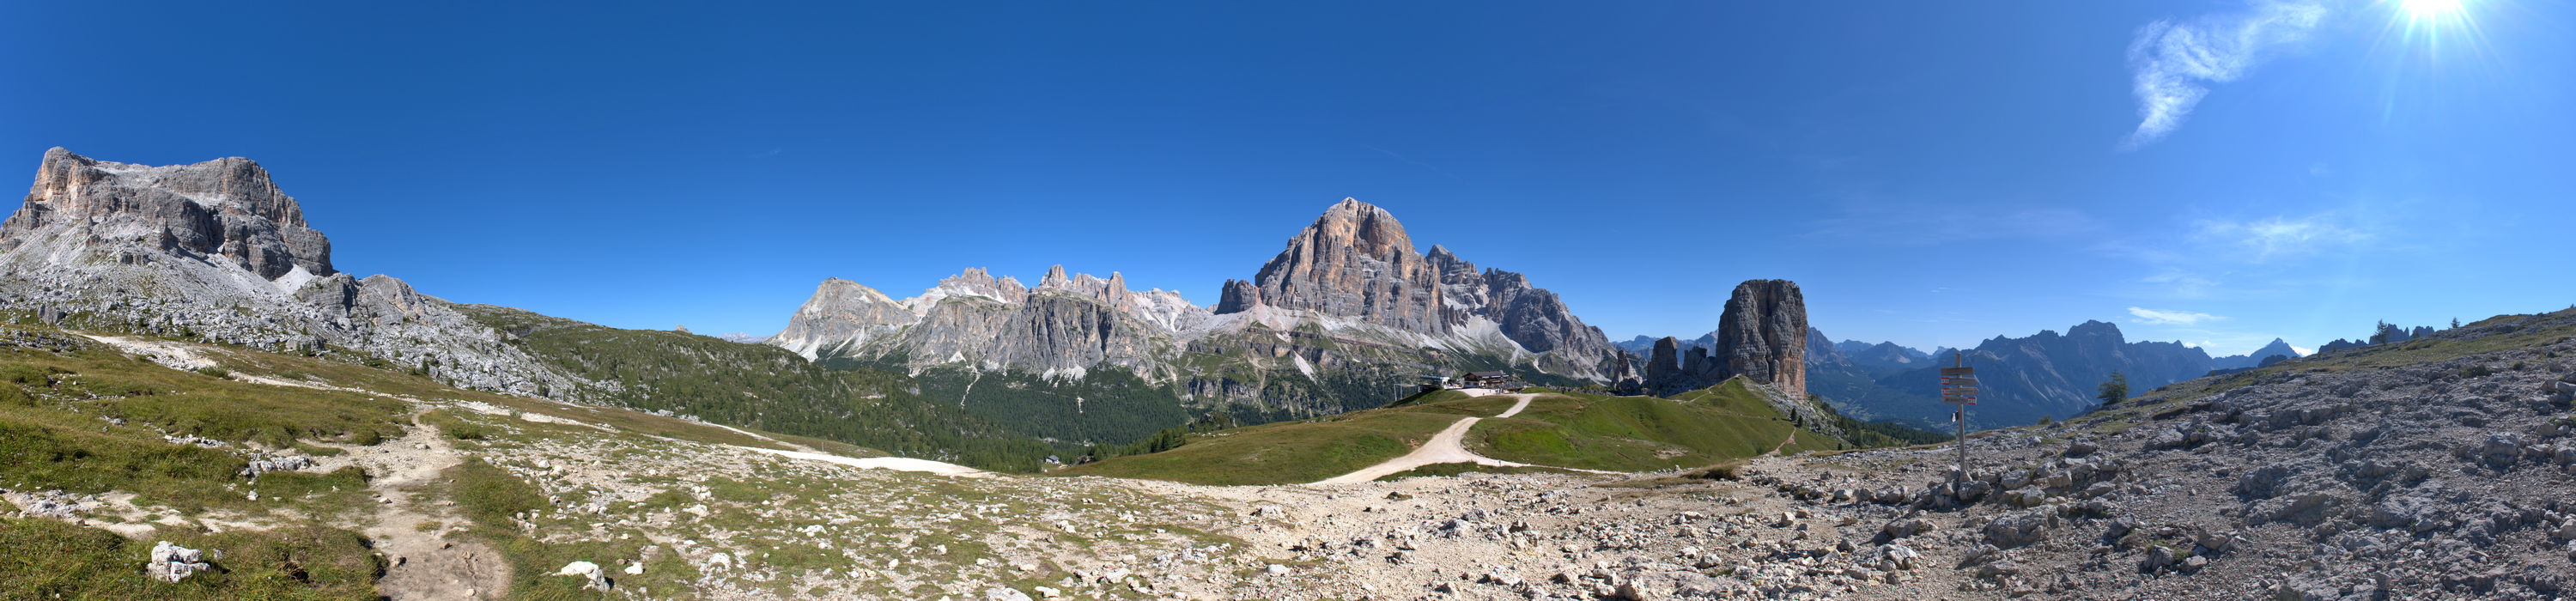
(2278, 237)
(2177, 318)
(2172, 63)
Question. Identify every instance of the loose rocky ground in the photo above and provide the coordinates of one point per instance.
(2435, 471)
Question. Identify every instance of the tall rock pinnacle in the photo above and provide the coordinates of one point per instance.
(1763, 336)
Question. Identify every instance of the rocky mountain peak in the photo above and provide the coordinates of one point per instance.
(1354, 261)
(1371, 230)
(973, 282)
(840, 313)
(130, 214)
(2095, 328)
(1054, 278)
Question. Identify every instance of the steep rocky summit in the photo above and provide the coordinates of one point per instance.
(217, 251)
(1355, 261)
(224, 209)
(1356, 264)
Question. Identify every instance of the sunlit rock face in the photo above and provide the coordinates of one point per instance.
(221, 209)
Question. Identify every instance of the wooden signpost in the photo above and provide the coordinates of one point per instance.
(1959, 389)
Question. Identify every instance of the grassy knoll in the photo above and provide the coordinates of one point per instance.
(1282, 453)
(1570, 430)
(1698, 428)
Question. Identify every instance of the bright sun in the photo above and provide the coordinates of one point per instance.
(2432, 11)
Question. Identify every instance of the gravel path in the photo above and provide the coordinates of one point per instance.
(1443, 448)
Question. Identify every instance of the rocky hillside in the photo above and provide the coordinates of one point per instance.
(215, 251)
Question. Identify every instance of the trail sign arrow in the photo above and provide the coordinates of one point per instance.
(1958, 371)
(1959, 381)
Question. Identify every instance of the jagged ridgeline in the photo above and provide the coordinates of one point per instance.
(1347, 317)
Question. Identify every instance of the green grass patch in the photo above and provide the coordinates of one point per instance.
(1632, 434)
(489, 495)
(47, 559)
(455, 427)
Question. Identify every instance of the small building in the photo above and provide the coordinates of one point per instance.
(1486, 378)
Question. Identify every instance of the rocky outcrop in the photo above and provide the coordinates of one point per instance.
(1356, 261)
(1238, 296)
(215, 251)
(1666, 362)
(1763, 336)
(224, 209)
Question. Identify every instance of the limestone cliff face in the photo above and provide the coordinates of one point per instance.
(1532, 317)
(1066, 325)
(842, 312)
(223, 209)
(1762, 335)
(1355, 261)
(216, 251)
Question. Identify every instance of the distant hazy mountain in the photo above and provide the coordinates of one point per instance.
(2051, 374)
(2278, 348)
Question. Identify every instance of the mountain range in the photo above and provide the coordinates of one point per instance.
(1348, 315)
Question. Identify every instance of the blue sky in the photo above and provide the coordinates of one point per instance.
(2220, 173)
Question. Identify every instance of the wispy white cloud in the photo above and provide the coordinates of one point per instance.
(2278, 237)
(2180, 318)
(2182, 284)
(767, 153)
(2172, 63)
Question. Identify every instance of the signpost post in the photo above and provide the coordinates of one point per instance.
(1959, 388)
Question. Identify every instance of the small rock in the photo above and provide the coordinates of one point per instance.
(172, 563)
